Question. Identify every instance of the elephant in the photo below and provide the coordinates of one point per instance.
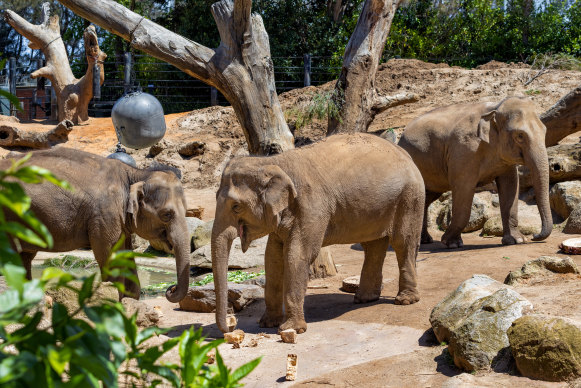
(109, 199)
(344, 189)
(460, 147)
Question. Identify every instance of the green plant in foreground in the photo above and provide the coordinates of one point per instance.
(90, 351)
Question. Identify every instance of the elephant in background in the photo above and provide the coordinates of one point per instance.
(460, 147)
(109, 199)
(341, 190)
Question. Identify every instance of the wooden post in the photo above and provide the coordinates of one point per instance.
(307, 69)
(127, 73)
(12, 82)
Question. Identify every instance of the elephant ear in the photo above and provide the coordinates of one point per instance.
(486, 121)
(135, 198)
(279, 193)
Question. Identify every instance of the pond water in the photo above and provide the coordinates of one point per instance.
(147, 277)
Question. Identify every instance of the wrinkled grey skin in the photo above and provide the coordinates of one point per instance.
(343, 189)
(109, 199)
(460, 147)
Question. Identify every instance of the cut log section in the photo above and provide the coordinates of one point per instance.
(571, 246)
(11, 136)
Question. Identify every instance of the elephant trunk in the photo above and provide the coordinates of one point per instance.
(538, 162)
(222, 237)
(179, 237)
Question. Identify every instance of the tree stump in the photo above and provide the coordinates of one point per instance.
(564, 118)
(73, 95)
(323, 266)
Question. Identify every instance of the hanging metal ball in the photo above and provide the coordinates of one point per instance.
(138, 120)
(122, 155)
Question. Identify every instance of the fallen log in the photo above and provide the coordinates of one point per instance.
(11, 136)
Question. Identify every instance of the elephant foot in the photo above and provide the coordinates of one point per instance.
(513, 238)
(453, 242)
(426, 238)
(365, 297)
(407, 297)
(270, 321)
(299, 325)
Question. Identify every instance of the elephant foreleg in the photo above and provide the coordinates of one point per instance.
(298, 254)
(462, 196)
(274, 269)
(371, 276)
(507, 184)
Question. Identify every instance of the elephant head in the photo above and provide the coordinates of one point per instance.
(157, 211)
(249, 203)
(518, 134)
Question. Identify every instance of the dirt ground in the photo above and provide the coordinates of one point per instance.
(377, 344)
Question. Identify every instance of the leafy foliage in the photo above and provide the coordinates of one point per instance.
(324, 105)
(73, 351)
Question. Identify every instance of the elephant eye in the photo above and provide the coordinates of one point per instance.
(236, 208)
(166, 215)
(520, 137)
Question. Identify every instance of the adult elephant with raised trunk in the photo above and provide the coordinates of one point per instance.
(460, 147)
(109, 199)
(343, 189)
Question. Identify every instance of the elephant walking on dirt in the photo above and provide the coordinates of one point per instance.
(460, 147)
(109, 199)
(341, 190)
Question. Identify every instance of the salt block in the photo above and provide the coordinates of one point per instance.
(291, 367)
(236, 337)
(350, 284)
(289, 336)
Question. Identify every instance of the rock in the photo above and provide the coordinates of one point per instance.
(289, 336)
(193, 224)
(193, 148)
(235, 337)
(203, 299)
(474, 319)
(526, 225)
(573, 225)
(138, 243)
(197, 212)
(494, 200)
(257, 281)
(158, 147)
(478, 215)
(541, 267)
(564, 197)
(254, 257)
(546, 348)
(69, 298)
(147, 316)
(351, 284)
(323, 266)
(202, 235)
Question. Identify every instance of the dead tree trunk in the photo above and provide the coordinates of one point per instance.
(11, 136)
(240, 68)
(564, 118)
(73, 95)
(355, 94)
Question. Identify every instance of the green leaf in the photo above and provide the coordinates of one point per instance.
(59, 358)
(23, 233)
(12, 98)
(15, 276)
(86, 289)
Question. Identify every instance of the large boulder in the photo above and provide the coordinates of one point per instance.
(147, 316)
(573, 225)
(526, 225)
(203, 299)
(253, 257)
(564, 197)
(541, 267)
(202, 235)
(479, 213)
(102, 292)
(546, 347)
(474, 319)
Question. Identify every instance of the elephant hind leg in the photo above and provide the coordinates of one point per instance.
(430, 197)
(405, 242)
(371, 276)
(27, 258)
